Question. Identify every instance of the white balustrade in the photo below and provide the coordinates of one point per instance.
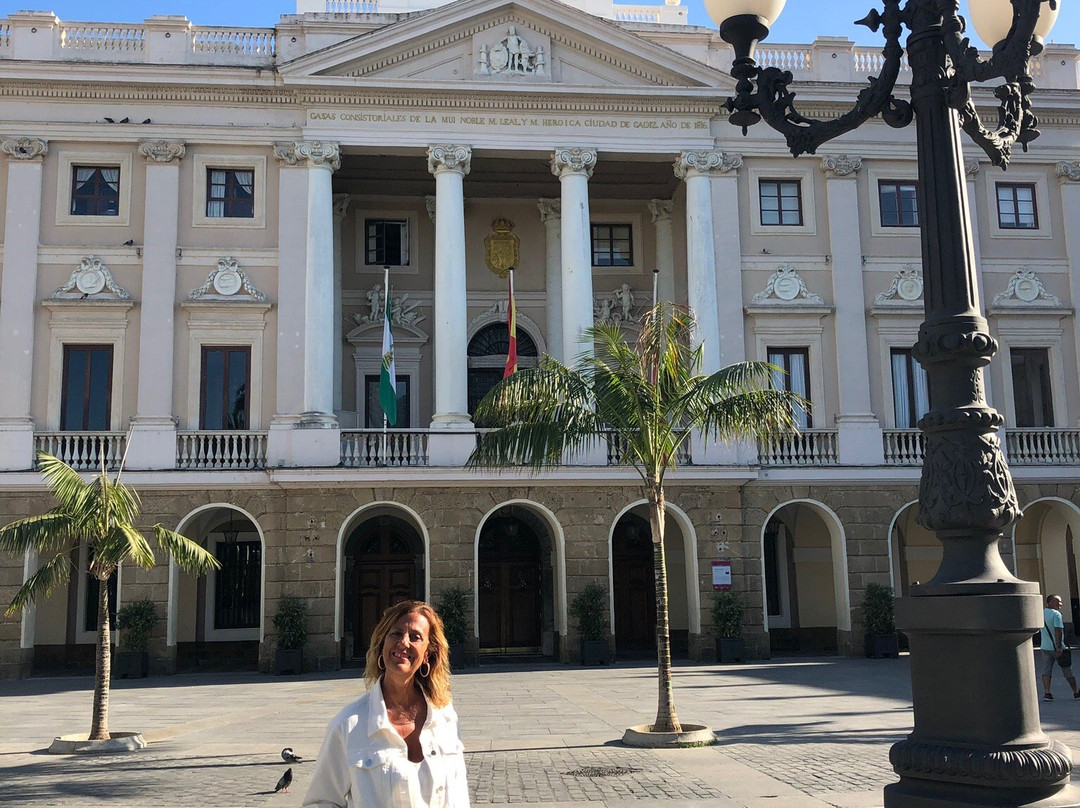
(112, 38)
(810, 447)
(904, 447)
(220, 450)
(234, 41)
(871, 60)
(352, 6)
(1043, 447)
(370, 447)
(785, 57)
(83, 450)
(616, 448)
(5, 35)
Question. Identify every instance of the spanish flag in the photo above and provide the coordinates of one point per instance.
(511, 322)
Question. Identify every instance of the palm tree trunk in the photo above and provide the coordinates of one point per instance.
(666, 718)
(99, 725)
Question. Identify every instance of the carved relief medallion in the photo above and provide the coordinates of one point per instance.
(503, 249)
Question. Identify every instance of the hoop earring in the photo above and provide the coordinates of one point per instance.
(425, 673)
(381, 664)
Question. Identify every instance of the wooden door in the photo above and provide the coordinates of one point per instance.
(634, 587)
(383, 573)
(509, 592)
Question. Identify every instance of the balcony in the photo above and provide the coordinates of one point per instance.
(365, 448)
(83, 451)
(1043, 447)
(221, 450)
(904, 447)
(811, 447)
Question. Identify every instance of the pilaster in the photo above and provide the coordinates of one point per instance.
(341, 207)
(1068, 175)
(661, 210)
(18, 297)
(551, 216)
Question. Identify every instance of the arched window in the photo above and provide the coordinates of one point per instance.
(487, 358)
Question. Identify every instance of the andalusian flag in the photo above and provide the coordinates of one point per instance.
(511, 322)
(388, 373)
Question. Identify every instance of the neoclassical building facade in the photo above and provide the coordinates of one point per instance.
(196, 226)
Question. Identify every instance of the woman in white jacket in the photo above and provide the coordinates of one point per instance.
(398, 745)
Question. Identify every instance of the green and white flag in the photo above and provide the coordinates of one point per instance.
(388, 373)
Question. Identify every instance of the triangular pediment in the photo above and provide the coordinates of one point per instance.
(508, 43)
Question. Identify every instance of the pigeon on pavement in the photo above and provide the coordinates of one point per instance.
(284, 783)
(288, 756)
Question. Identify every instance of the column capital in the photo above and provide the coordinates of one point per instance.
(971, 168)
(1068, 172)
(550, 210)
(341, 206)
(162, 151)
(25, 148)
(706, 163)
(449, 157)
(841, 165)
(573, 160)
(309, 154)
(661, 209)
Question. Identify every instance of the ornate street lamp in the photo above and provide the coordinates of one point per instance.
(977, 739)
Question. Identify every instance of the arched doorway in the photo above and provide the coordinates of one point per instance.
(805, 580)
(915, 551)
(633, 587)
(383, 565)
(487, 358)
(1046, 543)
(514, 577)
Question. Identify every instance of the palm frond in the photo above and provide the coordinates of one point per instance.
(188, 555)
(48, 532)
(124, 542)
(67, 485)
(738, 402)
(54, 573)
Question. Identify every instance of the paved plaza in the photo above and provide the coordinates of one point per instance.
(799, 732)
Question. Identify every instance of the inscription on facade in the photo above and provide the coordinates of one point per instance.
(510, 121)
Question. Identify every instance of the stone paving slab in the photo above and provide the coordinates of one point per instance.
(791, 734)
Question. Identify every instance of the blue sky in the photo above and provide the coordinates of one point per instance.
(801, 20)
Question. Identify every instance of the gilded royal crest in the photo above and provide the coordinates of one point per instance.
(503, 248)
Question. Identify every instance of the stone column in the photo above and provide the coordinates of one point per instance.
(18, 297)
(728, 243)
(661, 210)
(573, 167)
(551, 216)
(341, 206)
(860, 436)
(1068, 175)
(305, 309)
(971, 171)
(153, 430)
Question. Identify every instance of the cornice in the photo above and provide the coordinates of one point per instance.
(55, 90)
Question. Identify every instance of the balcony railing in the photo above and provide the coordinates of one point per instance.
(221, 450)
(810, 447)
(616, 446)
(1043, 447)
(362, 448)
(83, 450)
(904, 447)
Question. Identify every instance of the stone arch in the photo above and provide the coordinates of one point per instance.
(351, 523)
(1046, 549)
(199, 525)
(807, 556)
(553, 594)
(487, 348)
(914, 551)
(684, 596)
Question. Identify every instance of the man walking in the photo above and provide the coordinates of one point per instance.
(1052, 646)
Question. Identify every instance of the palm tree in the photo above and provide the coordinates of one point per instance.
(102, 514)
(645, 400)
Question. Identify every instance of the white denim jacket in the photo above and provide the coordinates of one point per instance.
(364, 763)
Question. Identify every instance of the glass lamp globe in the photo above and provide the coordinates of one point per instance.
(720, 10)
(993, 19)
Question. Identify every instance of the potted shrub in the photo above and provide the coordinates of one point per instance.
(590, 608)
(453, 608)
(136, 623)
(727, 615)
(291, 624)
(879, 622)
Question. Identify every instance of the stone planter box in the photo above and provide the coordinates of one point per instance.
(595, 652)
(730, 649)
(288, 660)
(131, 664)
(881, 646)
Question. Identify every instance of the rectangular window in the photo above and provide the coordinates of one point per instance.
(793, 374)
(86, 389)
(236, 587)
(95, 190)
(612, 245)
(387, 242)
(230, 193)
(373, 413)
(1016, 206)
(1031, 387)
(781, 202)
(225, 379)
(897, 204)
(911, 398)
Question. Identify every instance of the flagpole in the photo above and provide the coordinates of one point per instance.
(655, 286)
(386, 313)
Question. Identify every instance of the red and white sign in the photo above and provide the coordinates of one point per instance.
(721, 575)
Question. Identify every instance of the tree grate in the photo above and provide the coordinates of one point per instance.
(602, 771)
